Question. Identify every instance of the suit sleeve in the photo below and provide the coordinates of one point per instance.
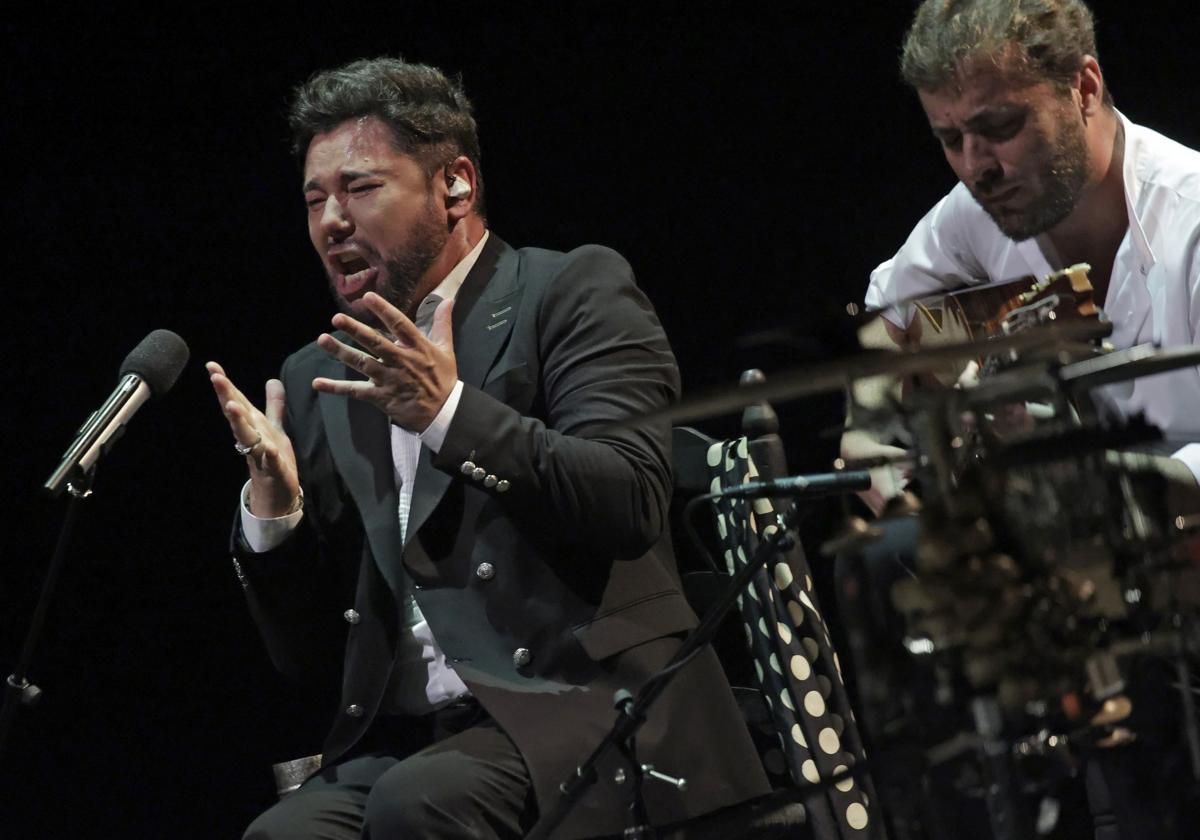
(289, 589)
(574, 471)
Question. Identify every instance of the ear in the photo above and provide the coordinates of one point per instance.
(1090, 87)
(462, 206)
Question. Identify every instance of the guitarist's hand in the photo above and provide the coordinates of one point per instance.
(1007, 421)
(887, 482)
(906, 338)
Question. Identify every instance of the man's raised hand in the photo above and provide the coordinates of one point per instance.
(274, 479)
(409, 377)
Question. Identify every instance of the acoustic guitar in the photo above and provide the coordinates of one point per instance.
(1001, 309)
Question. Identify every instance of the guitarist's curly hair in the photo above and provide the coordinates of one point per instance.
(1048, 39)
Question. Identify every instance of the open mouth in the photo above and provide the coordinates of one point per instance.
(355, 275)
(350, 263)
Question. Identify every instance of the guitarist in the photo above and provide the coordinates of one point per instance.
(1051, 174)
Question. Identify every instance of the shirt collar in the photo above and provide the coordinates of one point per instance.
(450, 285)
(1133, 190)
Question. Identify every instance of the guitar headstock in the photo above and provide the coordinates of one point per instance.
(1072, 287)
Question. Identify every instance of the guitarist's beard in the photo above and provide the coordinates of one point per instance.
(1060, 182)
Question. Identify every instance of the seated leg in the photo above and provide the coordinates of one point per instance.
(329, 806)
(472, 784)
(456, 774)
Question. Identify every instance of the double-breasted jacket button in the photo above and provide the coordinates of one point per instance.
(478, 473)
(502, 485)
(351, 616)
(490, 481)
(522, 657)
(354, 710)
(485, 571)
(467, 467)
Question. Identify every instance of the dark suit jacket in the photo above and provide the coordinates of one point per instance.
(550, 347)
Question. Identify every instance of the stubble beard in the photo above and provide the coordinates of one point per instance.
(1062, 179)
(401, 270)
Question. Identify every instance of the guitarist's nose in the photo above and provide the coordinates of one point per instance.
(982, 168)
(988, 179)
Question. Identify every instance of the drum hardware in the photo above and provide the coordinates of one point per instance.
(1028, 588)
(1123, 365)
(1005, 809)
(833, 376)
(1044, 567)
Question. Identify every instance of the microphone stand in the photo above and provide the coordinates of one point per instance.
(18, 691)
(632, 708)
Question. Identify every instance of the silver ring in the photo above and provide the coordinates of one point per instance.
(244, 449)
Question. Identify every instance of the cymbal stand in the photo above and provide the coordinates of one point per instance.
(951, 514)
(1191, 725)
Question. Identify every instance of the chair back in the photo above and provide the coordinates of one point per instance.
(810, 730)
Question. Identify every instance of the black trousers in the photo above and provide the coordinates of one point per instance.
(451, 774)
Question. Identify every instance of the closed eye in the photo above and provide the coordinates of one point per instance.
(950, 140)
(1004, 130)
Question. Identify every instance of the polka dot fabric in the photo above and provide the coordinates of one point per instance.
(794, 660)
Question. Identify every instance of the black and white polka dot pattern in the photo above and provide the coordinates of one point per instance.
(794, 660)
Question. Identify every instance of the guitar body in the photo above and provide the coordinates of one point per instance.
(998, 309)
(1006, 308)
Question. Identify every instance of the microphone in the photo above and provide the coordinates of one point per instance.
(149, 370)
(817, 484)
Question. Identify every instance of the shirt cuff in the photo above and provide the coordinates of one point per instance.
(435, 434)
(265, 533)
(1190, 455)
(877, 296)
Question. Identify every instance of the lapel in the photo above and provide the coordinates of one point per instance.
(360, 443)
(360, 436)
(484, 311)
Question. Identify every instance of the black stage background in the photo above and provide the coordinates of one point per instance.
(753, 166)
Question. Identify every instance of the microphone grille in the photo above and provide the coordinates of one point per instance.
(158, 359)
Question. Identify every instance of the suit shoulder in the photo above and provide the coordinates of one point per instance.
(587, 265)
(547, 261)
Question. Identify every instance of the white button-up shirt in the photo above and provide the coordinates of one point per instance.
(1153, 295)
(422, 680)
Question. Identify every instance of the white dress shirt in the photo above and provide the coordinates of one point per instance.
(1153, 295)
(422, 680)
